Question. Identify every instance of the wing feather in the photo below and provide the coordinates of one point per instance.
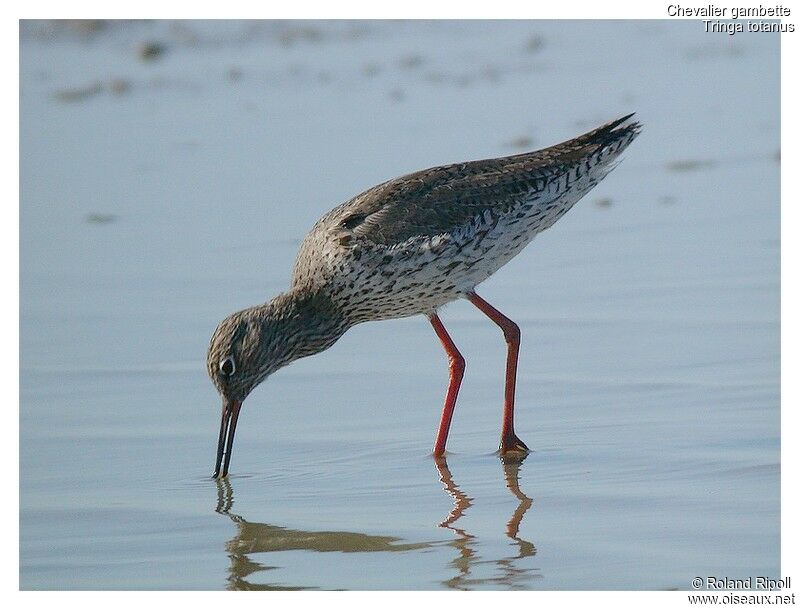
(440, 199)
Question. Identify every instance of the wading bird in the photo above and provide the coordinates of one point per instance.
(408, 247)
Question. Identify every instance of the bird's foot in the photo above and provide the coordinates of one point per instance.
(510, 444)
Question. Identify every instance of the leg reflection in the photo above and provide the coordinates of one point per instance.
(461, 502)
(469, 562)
(511, 465)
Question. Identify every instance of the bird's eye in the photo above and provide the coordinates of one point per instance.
(227, 367)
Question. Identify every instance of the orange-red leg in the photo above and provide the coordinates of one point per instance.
(457, 366)
(508, 440)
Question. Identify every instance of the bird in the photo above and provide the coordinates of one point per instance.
(407, 247)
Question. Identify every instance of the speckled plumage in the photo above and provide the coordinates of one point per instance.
(412, 244)
(407, 247)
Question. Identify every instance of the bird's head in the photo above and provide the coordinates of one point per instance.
(243, 352)
(249, 345)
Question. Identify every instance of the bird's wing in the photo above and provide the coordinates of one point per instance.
(441, 199)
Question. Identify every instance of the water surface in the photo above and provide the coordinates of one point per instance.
(163, 189)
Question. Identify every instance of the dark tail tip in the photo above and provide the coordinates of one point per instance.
(609, 131)
(614, 124)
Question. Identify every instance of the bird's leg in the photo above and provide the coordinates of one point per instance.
(457, 366)
(508, 440)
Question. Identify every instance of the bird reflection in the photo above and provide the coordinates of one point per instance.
(510, 574)
(254, 538)
(506, 572)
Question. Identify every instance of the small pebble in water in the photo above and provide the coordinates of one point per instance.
(150, 51)
(397, 95)
(119, 86)
(524, 142)
(690, 165)
(97, 218)
(371, 69)
(411, 61)
(78, 94)
(535, 44)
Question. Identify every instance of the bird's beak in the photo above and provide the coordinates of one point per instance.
(227, 428)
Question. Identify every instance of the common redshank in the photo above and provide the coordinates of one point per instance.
(407, 247)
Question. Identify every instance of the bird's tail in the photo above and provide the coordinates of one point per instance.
(622, 129)
(599, 146)
(576, 166)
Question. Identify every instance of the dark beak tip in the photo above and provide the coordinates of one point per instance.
(227, 429)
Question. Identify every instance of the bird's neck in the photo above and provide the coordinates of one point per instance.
(308, 320)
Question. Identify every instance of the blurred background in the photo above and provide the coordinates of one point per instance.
(169, 170)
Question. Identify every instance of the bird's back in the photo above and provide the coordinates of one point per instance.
(427, 237)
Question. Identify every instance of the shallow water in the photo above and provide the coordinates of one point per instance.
(159, 195)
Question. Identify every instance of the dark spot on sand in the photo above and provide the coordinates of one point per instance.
(690, 165)
(119, 86)
(151, 50)
(535, 43)
(491, 73)
(97, 218)
(371, 69)
(435, 77)
(524, 142)
(300, 33)
(410, 61)
(78, 94)
(87, 27)
(603, 202)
